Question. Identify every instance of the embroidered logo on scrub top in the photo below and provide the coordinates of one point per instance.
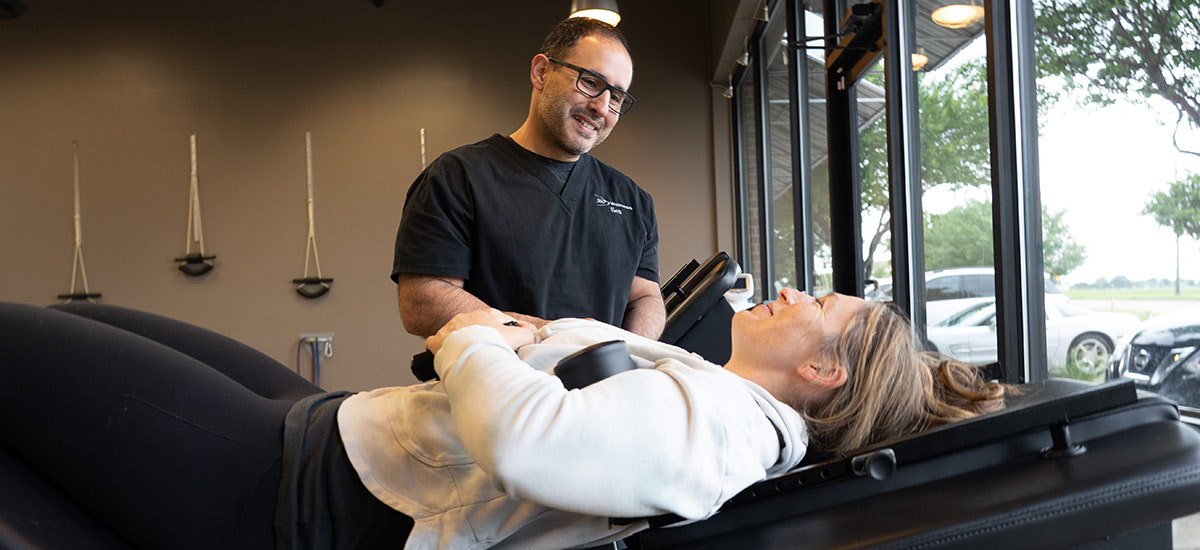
(614, 207)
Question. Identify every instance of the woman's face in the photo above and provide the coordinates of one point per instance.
(790, 331)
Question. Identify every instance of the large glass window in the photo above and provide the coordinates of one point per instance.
(955, 177)
(782, 237)
(822, 270)
(873, 171)
(783, 234)
(869, 123)
(955, 174)
(749, 184)
(1119, 109)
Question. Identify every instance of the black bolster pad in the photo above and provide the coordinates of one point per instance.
(594, 363)
(422, 366)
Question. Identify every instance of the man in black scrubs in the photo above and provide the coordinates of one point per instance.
(530, 223)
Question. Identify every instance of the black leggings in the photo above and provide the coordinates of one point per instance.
(169, 433)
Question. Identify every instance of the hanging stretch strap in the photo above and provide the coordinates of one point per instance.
(78, 222)
(194, 263)
(195, 229)
(311, 287)
(77, 264)
(311, 246)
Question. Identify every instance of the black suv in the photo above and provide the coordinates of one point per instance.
(1163, 356)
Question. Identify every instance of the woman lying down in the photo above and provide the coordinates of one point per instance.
(191, 439)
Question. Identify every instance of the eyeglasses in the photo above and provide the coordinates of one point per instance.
(592, 85)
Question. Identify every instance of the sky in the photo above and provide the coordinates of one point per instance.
(1102, 165)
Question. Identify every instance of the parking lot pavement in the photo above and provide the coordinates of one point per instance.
(1186, 532)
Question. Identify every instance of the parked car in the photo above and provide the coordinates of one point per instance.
(948, 291)
(878, 289)
(1162, 355)
(1073, 333)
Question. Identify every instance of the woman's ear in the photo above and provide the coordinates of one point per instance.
(831, 375)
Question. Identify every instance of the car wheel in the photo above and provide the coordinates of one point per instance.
(1089, 352)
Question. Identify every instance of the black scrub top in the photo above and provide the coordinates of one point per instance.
(488, 213)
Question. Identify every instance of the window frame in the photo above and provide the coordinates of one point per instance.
(1019, 289)
(1016, 195)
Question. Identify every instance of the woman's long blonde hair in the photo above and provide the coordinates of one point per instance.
(894, 387)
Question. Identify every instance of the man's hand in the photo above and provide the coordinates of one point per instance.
(515, 333)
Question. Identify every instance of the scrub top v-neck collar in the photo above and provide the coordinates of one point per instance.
(571, 190)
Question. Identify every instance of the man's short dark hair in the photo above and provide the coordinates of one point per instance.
(569, 32)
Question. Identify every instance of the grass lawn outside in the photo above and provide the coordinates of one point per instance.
(1168, 293)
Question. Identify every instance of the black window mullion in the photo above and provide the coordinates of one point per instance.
(763, 148)
(801, 158)
(845, 189)
(1016, 203)
(904, 168)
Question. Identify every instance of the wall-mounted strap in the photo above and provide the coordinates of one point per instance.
(194, 263)
(77, 265)
(311, 287)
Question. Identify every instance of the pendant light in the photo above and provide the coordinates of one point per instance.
(603, 10)
(919, 59)
(957, 16)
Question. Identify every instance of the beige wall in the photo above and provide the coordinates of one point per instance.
(131, 80)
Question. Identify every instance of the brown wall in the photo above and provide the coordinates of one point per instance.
(131, 80)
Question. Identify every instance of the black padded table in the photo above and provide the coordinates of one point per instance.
(1064, 465)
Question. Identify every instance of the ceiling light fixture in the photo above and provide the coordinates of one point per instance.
(603, 10)
(957, 16)
(919, 59)
(764, 13)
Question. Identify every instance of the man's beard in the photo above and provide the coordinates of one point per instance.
(560, 127)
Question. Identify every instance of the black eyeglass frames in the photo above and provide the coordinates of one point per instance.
(592, 85)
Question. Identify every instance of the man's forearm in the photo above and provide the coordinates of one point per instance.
(646, 316)
(427, 303)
